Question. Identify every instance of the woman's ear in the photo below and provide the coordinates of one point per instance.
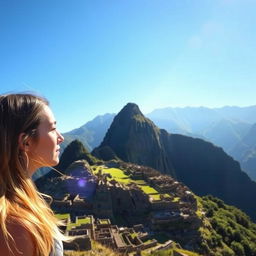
(23, 142)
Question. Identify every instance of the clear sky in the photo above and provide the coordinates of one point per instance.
(90, 57)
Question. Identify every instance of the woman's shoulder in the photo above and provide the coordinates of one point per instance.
(58, 248)
(22, 243)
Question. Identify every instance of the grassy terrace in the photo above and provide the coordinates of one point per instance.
(116, 174)
(86, 220)
(133, 235)
(156, 197)
(121, 177)
(149, 190)
(62, 216)
(176, 199)
(103, 221)
(140, 182)
(78, 222)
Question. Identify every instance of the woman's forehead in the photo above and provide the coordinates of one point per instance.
(47, 115)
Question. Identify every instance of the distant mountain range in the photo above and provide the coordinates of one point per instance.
(245, 152)
(225, 127)
(228, 127)
(91, 133)
(203, 167)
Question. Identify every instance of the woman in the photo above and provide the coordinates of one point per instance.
(28, 140)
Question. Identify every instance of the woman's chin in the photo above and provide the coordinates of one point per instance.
(56, 161)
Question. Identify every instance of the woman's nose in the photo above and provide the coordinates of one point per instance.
(60, 138)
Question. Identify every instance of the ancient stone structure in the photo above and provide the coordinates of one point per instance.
(170, 207)
(124, 240)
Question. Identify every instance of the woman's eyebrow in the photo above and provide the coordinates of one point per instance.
(53, 123)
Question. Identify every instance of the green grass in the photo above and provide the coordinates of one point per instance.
(104, 222)
(116, 174)
(140, 182)
(97, 250)
(84, 221)
(189, 253)
(156, 197)
(148, 241)
(123, 180)
(176, 199)
(95, 169)
(78, 223)
(148, 190)
(62, 216)
(133, 235)
(119, 176)
(199, 207)
(169, 252)
(71, 225)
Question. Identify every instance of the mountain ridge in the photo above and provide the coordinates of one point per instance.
(219, 130)
(139, 141)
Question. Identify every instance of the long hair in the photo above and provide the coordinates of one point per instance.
(19, 199)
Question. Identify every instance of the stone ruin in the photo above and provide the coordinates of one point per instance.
(124, 240)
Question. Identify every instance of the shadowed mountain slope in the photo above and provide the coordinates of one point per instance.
(73, 152)
(134, 138)
(245, 152)
(205, 168)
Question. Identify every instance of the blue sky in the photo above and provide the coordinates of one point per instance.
(93, 57)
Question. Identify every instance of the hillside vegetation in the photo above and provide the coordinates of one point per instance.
(230, 231)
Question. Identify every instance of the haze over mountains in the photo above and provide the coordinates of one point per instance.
(227, 127)
(205, 168)
(91, 133)
(222, 126)
(245, 152)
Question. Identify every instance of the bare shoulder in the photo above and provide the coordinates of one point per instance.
(23, 241)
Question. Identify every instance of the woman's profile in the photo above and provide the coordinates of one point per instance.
(28, 140)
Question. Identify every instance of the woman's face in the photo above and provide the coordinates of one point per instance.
(45, 151)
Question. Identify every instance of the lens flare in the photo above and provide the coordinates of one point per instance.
(81, 183)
